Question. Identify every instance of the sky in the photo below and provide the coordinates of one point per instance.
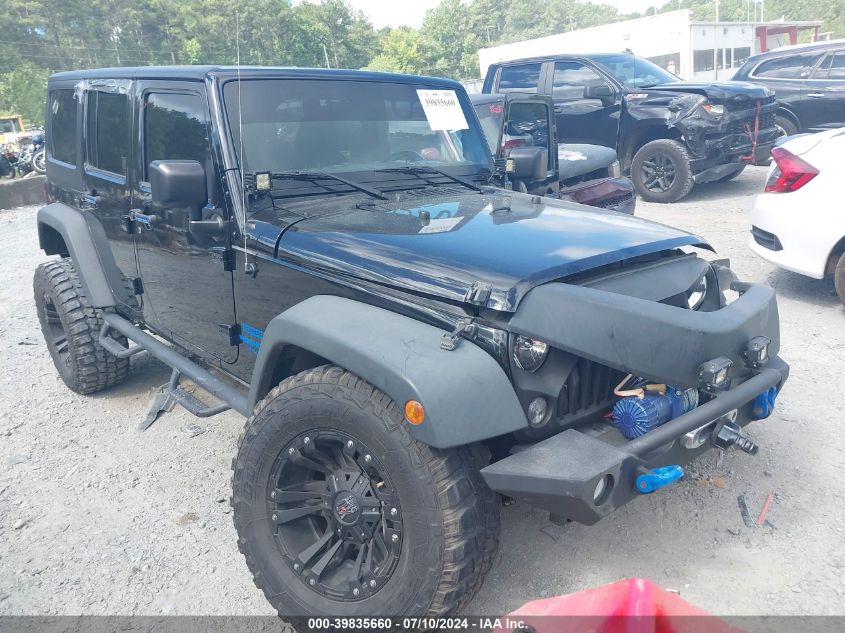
(411, 12)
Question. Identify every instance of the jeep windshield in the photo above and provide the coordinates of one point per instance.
(365, 130)
(634, 72)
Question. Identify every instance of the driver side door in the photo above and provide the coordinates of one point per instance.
(188, 293)
(583, 114)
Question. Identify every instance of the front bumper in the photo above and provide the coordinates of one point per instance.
(798, 241)
(562, 473)
(732, 140)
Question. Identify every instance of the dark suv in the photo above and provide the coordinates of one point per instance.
(320, 251)
(669, 134)
(808, 81)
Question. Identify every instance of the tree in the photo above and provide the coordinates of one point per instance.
(22, 92)
(404, 50)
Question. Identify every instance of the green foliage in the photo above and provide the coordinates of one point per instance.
(43, 36)
(22, 92)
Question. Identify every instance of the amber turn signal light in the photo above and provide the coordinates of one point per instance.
(414, 412)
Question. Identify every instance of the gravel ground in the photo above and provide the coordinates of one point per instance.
(97, 518)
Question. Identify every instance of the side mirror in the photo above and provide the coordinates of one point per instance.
(527, 163)
(602, 92)
(178, 183)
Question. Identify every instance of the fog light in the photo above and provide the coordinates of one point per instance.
(713, 375)
(602, 489)
(537, 411)
(756, 353)
(414, 412)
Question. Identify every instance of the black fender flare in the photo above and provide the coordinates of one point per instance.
(466, 394)
(87, 245)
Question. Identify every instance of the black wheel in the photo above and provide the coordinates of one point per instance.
(339, 511)
(71, 328)
(739, 169)
(785, 126)
(661, 171)
(839, 278)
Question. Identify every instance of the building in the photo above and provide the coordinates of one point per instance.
(691, 50)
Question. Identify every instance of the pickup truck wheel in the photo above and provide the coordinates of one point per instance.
(339, 511)
(661, 171)
(71, 328)
(839, 278)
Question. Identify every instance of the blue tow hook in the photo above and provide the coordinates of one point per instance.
(658, 477)
(764, 403)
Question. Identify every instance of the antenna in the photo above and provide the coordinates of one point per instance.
(241, 131)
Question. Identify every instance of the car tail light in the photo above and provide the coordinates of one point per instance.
(791, 173)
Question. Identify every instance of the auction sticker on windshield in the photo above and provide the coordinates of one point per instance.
(443, 110)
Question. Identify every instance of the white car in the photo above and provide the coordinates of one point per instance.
(798, 223)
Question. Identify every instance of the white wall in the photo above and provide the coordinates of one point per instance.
(661, 34)
(712, 37)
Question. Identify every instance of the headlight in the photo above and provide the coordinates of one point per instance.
(715, 110)
(529, 353)
(696, 294)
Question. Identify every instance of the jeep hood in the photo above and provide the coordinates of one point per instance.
(444, 246)
(716, 91)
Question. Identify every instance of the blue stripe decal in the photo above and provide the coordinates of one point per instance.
(251, 337)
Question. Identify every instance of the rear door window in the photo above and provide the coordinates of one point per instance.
(788, 67)
(520, 78)
(61, 140)
(108, 131)
(837, 66)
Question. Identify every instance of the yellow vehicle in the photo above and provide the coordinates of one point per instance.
(12, 127)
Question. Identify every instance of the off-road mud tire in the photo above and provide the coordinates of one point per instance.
(451, 519)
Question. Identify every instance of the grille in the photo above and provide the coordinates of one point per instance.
(767, 120)
(766, 239)
(587, 390)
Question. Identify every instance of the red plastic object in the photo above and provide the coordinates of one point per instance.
(634, 605)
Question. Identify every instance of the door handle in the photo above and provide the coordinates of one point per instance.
(88, 202)
(136, 215)
(815, 95)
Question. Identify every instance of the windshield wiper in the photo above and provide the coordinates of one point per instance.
(313, 176)
(425, 169)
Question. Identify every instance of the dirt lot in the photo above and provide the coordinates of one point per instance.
(98, 518)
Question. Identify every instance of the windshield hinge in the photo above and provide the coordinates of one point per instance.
(479, 293)
(450, 341)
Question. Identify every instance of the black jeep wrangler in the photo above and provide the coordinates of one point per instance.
(669, 134)
(319, 250)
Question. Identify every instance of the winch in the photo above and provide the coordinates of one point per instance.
(644, 408)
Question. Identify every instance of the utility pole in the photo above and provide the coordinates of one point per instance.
(326, 53)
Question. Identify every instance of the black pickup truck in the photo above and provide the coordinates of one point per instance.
(669, 134)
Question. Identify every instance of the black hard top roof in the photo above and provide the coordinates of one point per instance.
(199, 73)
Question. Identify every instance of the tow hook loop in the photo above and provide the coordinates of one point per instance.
(729, 434)
(764, 403)
(658, 477)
